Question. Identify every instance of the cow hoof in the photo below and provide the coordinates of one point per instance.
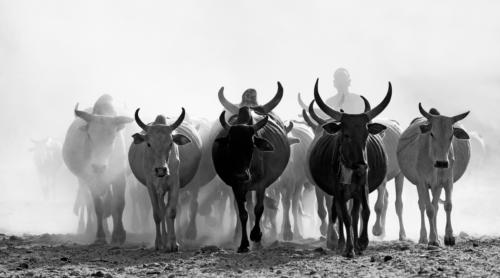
(118, 237)
(449, 240)
(257, 246)
(363, 243)
(332, 244)
(242, 249)
(255, 235)
(402, 236)
(171, 247)
(434, 243)
(287, 235)
(100, 241)
(348, 253)
(191, 233)
(340, 246)
(324, 228)
(423, 240)
(377, 230)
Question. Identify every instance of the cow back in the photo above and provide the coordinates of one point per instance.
(408, 152)
(390, 141)
(324, 162)
(189, 156)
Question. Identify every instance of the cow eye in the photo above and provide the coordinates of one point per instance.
(149, 145)
(432, 135)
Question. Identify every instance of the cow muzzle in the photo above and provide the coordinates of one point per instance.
(441, 164)
(243, 177)
(98, 168)
(161, 172)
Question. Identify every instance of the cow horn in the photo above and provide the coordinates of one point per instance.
(222, 120)
(379, 108)
(460, 117)
(367, 104)
(260, 124)
(83, 115)
(301, 102)
(179, 120)
(289, 127)
(268, 107)
(227, 105)
(423, 112)
(313, 114)
(308, 120)
(323, 106)
(139, 122)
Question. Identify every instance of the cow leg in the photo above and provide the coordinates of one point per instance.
(286, 226)
(431, 213)
(355, 219)
(191, 232)
(433, 235)
(297, 211)
(378, 228)
(398, 180)
(157, 216)
(237, 229)
(449, 239)
(239, 197)
(162, 208)
(333, 240)
(171, 211)
(422, 204)
(117, 206)
(249, 207)
(343, 215)
(98, 206)
(320, 198)
(256, 233)
(365, 214)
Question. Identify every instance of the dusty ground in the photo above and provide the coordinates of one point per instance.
(65, 256)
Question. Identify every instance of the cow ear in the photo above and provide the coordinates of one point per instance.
(376, 128)
(262, 144)
(425, 128)
(180, 139)
(332, 128)
(293, 140)
(460, 133)
(138, 138)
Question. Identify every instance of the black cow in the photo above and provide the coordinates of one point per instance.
(349, 161)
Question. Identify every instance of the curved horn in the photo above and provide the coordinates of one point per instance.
(460, 117)
(227, 105)
(367, 104)
(379, 108)
(179, 120)
(423, 112)
(83, 115)
(222, 120)
(308, 120)
(260, 124)
(268, 107)
(289, 127)
(323, 106)
(139, 122)
(301, 102)
(313, 114)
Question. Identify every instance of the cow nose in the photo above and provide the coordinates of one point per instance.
(441, 164)
(98, 168)
(160, 171)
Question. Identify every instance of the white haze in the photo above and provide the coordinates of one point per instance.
(161, 55)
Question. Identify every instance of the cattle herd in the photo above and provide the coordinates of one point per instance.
(264, 161)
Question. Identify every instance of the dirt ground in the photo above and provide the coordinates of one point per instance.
(66, 256)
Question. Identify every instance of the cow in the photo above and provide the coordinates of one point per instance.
(433, 153)
(94, 151)
(165, 158)
(390, 139)
(249, 154)
(349, 162)
(48, 160)
(293, 181)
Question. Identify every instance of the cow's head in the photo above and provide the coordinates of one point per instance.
(353, 131)
(249, 97)
(440, 130)
(159, 139)
(101, 131)
(241, 140)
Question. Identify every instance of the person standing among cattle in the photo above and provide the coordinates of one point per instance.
(48, 160)
(94, 151)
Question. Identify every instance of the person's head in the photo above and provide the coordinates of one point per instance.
(341, 79)
(249, 98)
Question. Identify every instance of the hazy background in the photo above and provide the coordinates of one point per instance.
(161, 55)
